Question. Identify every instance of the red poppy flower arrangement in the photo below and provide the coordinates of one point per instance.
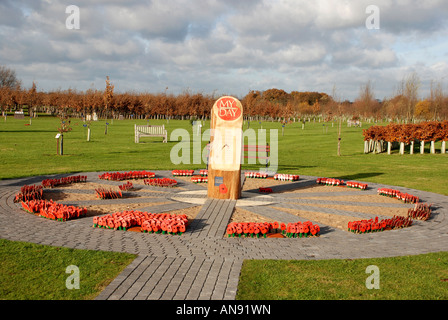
(199, 179)
(174, 225)
(163, 223)
(51, 183)
(338, 182)
(28, 193)
(160, 182)
(405, 197)
(261, 229)
(127, 186)
(117, 176)
(420, 212)
(301, 230)
(108, 193)
(256, 175)
(286, 177)
(373, 225)
(54, 211)
(203, 172)
(330, 181)
(182, 173)
(356, 185)
(248, 229)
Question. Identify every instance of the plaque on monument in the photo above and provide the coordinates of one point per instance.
(224, 170)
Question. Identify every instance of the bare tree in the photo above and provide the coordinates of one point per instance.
(411, 87)
(436, 97)
(108, 96)
(8, 78)
(366, 97)
(32, 100)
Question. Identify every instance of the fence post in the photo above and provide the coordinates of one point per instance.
(401, 147)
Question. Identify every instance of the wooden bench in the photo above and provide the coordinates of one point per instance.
(19, 115)
(251, 149)
(150, 131)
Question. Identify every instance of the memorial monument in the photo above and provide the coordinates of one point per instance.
(224, 170)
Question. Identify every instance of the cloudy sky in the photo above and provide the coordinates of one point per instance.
(225, 46)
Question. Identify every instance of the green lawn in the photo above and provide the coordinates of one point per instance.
(36, 272)
(27, 150)
(422, 277)
(31, 150)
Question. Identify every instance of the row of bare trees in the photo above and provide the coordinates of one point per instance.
(404, 106)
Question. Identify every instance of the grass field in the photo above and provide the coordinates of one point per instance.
(27, 150)
(36, 272)
(31, 150)
(421, 277)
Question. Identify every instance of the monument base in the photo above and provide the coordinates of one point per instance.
(224, 184)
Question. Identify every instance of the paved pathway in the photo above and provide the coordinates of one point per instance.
(202, 263)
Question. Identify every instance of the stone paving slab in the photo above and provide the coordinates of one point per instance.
(203, 263)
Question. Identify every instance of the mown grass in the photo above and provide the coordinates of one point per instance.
(27, 150)
(31, 150)
(36, 272)
(420, 277)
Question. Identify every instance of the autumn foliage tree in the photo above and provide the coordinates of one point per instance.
(270, 104)
(431, 131)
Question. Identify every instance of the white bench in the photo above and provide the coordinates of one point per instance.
(150, 131)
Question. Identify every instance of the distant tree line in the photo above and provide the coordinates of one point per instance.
(376, 137)
(273, 103)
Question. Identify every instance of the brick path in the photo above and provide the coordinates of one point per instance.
(202, 263)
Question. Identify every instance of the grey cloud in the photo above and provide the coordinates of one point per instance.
(208, 45)
(10, 15)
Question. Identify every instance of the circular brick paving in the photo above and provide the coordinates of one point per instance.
(203, 263)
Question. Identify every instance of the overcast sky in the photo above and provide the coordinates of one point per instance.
(225, 46)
